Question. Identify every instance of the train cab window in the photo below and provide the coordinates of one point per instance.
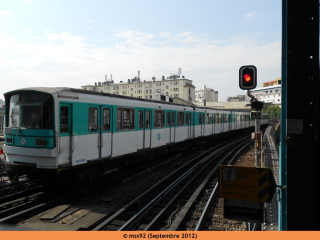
(147, 119)
(180, 119)
(125, 119)
(168, 119)
(93, 119)
(64, 119)
(140, 119)
(106, 119)
(158, 119)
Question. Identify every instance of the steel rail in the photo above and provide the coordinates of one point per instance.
(120, 211)
(144, 211)
(210, 200)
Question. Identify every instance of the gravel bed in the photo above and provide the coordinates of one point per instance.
(218, 222)
(119, 194)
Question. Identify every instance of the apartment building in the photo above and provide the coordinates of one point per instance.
(173, 86)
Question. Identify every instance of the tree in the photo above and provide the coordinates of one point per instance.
(274, 111)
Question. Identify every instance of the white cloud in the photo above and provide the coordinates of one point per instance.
(250, 15)
(90, 21)
(27, 2)
(90, 28)
(5, 13)
(62, 59)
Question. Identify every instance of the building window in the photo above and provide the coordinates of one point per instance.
(278, 100)
(167, 94)
(146, 85)
(146, 96)
(158, 84)
(167, 87)
(108, 88)
(150, 96)
(139, 85)
(158, 119)
(146, 91)
(176, 83)
(131, 95)
(124, 92)
(131, 89)
(176, 95)
(150, 90)
(176, 89)
(139, 91)
(158, 90)
(125, 118)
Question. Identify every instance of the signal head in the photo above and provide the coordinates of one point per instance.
(248, 77)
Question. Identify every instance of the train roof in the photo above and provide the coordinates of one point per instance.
(61, 91)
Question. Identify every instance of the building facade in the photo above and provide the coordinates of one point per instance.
(271, 94)
(173, 86)
(272, 83)
(206, 94)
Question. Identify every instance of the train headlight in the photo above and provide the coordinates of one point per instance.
(40, 142)
(10, 140)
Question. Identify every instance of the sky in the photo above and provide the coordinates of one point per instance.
(72, 43)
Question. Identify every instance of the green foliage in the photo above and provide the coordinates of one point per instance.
(274, 112)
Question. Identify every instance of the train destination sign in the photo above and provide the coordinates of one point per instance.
(246, 183)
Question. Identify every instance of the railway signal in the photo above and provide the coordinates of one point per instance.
(248, 77)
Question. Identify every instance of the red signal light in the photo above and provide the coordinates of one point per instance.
(247, 77)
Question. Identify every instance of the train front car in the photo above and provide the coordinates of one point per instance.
(30, 144)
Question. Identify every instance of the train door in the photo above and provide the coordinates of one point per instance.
(144, 116)
(171, 116)
(188, 122)
(94, 132)
(202, 123)
(106, 133)
(222, 122)
(66, 134)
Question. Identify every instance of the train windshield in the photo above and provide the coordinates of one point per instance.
(31, 110)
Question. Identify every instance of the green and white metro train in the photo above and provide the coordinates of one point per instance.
(73, 133)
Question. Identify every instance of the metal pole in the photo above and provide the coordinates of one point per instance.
(257, 151)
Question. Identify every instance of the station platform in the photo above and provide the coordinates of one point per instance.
(270, 159)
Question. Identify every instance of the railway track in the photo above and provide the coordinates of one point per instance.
(25, 205)
(152, 209)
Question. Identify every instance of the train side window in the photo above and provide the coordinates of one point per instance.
(140, 119)
(188, 118)
(64, 119)
(158, 119)
(125, 119)
(106, 119)
(172, 119)
(147, 119)
(199, 118)
(208, 118)
(218, 118)
(93, 119)
(168, 119)
(180, 119)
